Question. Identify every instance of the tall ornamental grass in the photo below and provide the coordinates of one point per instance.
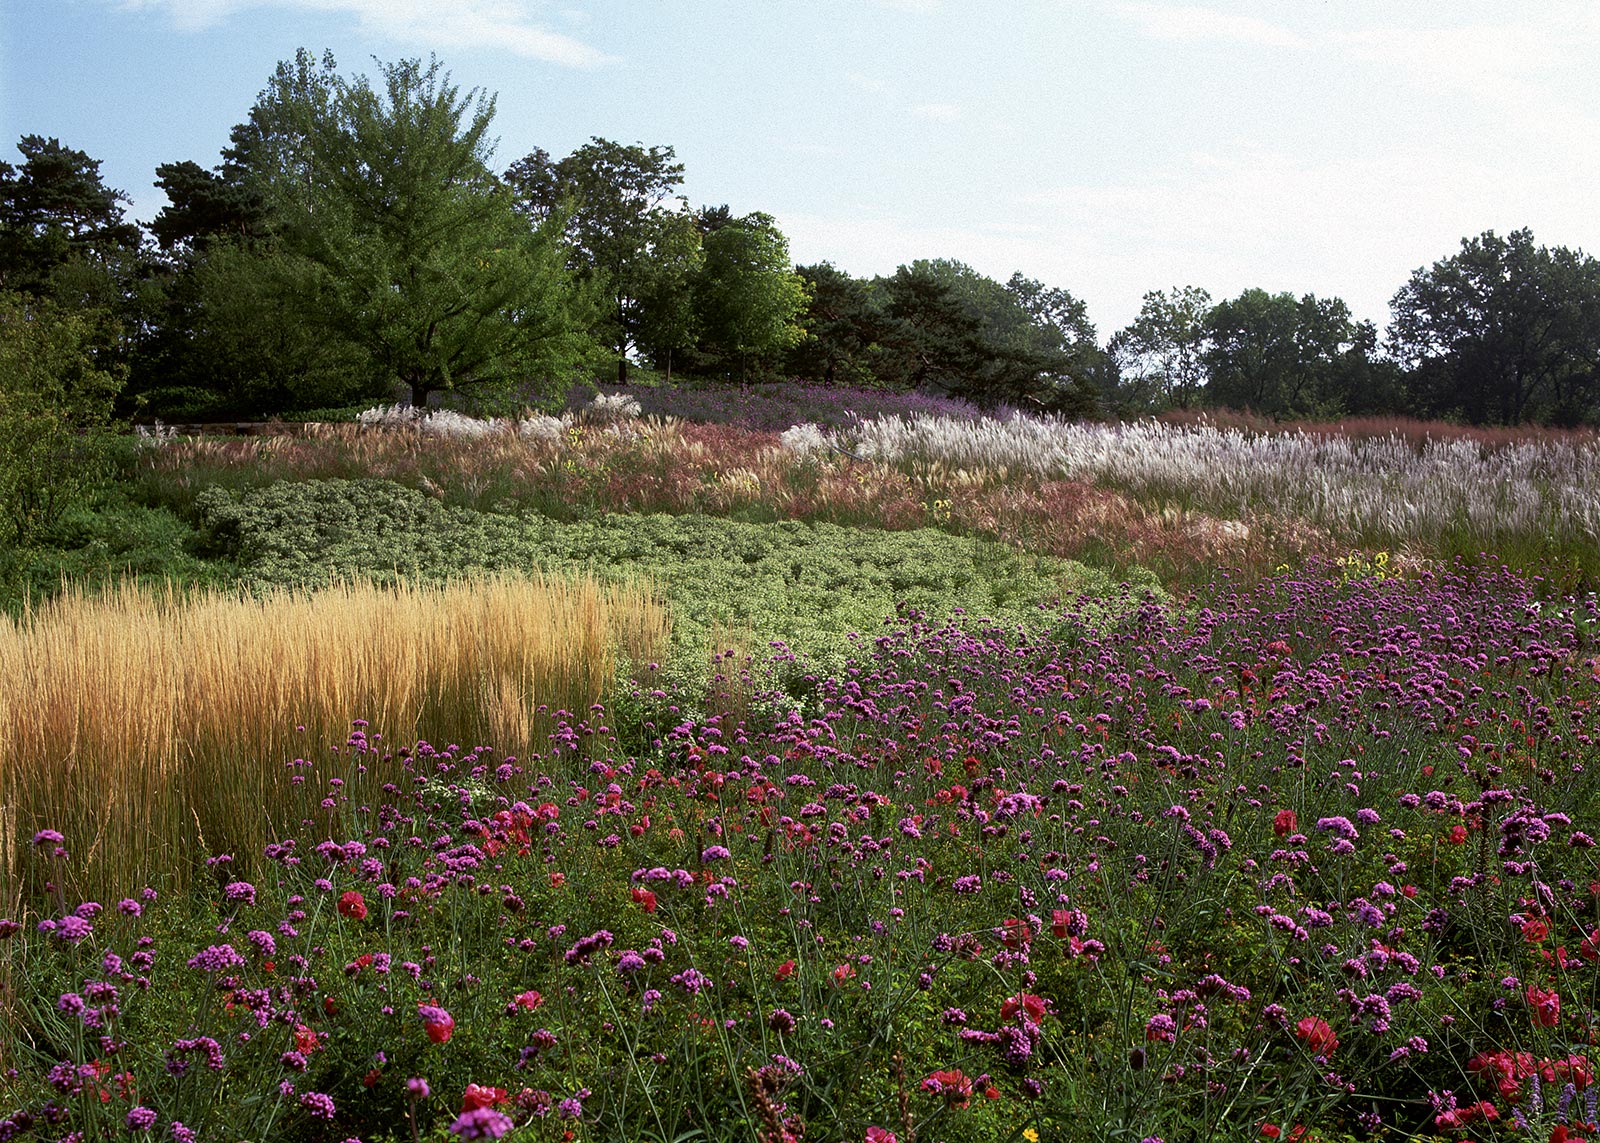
(151, 726)
(1447, 494)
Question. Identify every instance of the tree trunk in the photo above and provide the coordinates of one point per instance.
(622, 371)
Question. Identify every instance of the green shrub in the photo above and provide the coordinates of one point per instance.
(55, 407)
(806, 585)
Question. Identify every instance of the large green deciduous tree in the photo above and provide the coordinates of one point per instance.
(747, 295)
(58, 379)
(632, 237)
(1160, 357)
(419, 256)
(1287, 357)
(1503, 331)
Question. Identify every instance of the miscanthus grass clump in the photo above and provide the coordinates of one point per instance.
(1313, 859)
(1381, 489)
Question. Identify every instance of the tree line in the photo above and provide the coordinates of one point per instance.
(355, 242)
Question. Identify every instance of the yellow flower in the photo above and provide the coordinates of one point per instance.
(1030, 1135)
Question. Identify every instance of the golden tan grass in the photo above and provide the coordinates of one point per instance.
(149, 726)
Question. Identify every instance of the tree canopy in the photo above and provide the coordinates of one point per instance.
(1503, 331)
(629, 236)
(415, 251)
(55, 214)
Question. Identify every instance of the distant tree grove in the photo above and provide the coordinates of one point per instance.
(356, 242)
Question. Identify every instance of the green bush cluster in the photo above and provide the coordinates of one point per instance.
(807, 585)
(56, 393)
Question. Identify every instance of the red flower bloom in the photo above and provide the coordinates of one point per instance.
(528, 1000)
(843, 973)
(1535, 929)
(1318, 1035)
(1284, 823)
(558, 879)
(352, 905)
(1458, 835)
(1015, 934)
(645, 898)
(880, 1135)
(475, 1097)
(1033, 1007)
(1546, 1005)
(784, 971)
(1271, 1130)
(436, 1022)
(954, 1086)
(305, 1039)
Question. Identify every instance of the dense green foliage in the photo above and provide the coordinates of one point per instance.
(56, 394)
(1503, 332)
(806, 585)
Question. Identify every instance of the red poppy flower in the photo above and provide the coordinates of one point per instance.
(436, 1022)
(1546, 1005)
(475, 1097)
(952, 1084)
(1033, 1007)
(1318, 1035)
(1015, 934)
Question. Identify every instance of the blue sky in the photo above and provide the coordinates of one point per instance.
(1108, 146)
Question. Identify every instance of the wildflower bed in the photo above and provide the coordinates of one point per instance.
(1311, 858)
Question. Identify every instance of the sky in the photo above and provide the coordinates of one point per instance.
(1111, 147)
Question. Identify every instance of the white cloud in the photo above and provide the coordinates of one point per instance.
(505, 25)
(1190, 22)
(938, 112)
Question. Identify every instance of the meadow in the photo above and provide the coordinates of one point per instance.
(910, 776)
